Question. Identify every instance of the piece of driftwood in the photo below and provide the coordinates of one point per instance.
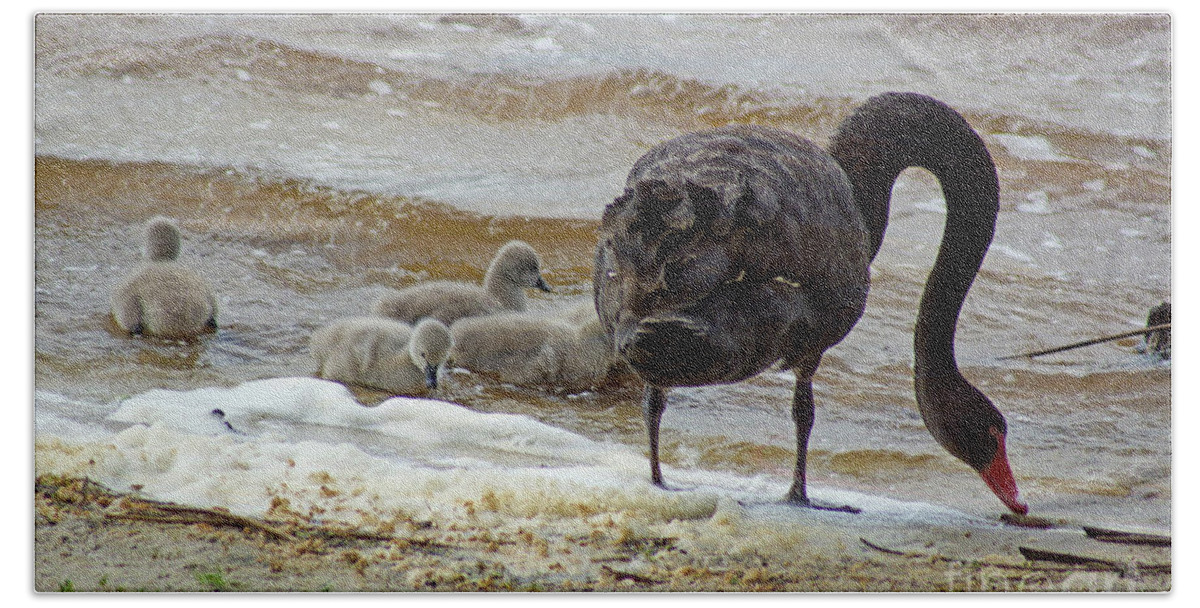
(162, 512)
(1059, 349)
(612, 559)
(1101, 534)
(1127, 538)
(1067, 562)
(1062, 557)
(883, 549)
(128, 507)
(946, 558)
(1030, 521)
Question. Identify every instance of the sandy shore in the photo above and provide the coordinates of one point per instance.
(88, 538)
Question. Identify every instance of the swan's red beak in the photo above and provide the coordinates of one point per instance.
(998, 476)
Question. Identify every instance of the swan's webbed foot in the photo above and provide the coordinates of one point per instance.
(801, 499)
(824, 507)
(666, 488)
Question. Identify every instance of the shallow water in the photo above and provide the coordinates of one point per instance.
(315, 162)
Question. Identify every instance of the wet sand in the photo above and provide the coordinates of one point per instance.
(89, 539)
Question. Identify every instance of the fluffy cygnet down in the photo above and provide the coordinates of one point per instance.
(567, 350)
(515, 268)
(382, 353)
(164, 298)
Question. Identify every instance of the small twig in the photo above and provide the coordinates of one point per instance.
(1127, 538)
(351, 534)
(1031, 521)
(1136, 332)
(612, 558)
(883, 549)
(1045, 555)
(1032, 555)
(138, 509)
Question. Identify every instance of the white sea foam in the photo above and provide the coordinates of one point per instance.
(1013, 253)
(547, 44)
(380, 87)
(402, 54)
(308, 441)
(1030, 148)
(412, 455)
(1035, 202)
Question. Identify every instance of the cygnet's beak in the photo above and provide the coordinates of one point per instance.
(543, 285)
(431, 373)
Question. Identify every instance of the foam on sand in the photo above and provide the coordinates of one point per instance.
(413, 455)
(306, 444)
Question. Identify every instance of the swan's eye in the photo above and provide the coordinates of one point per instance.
(996, 434)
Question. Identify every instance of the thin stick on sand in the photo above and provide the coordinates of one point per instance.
(146, 510)
(1127, 538)
(1050, 560)
(1060, 349)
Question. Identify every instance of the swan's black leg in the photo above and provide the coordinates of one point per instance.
(653, 403)
(803, 409)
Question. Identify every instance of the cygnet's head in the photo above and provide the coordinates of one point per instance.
(429, 347)
(162, 239)
(519, 263)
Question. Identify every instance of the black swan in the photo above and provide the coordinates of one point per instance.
(738, 247)
(164, 298)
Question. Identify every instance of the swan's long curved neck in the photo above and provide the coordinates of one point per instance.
(896, 131)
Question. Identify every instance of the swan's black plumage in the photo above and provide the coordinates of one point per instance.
(735, 248)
